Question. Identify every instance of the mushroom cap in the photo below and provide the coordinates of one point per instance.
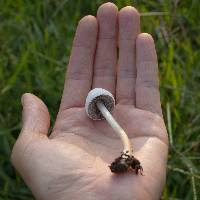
(95, 95)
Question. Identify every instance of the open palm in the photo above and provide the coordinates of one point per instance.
(73, 162)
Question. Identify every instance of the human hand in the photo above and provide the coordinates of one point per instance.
(72, 163)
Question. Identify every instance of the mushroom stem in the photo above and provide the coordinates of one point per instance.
(113, 123)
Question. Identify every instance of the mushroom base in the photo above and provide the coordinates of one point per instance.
(125, 162)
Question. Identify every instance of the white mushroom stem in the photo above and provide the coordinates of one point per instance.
(117, 128)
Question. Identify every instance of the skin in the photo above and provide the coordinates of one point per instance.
(72, 163)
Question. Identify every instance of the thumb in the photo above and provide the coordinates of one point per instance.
(35, 123)
(35, 115)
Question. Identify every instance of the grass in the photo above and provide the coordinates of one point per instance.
(35, 43)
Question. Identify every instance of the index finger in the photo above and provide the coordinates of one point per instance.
(80, 69)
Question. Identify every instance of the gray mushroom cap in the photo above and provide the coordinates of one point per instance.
(98, 94)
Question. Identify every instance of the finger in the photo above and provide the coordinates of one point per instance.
(35, 115)
(106, 53)
(80, 69)
(35, 126)
(147, 84)
(129, 28)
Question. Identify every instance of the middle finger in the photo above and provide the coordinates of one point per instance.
(106, 52)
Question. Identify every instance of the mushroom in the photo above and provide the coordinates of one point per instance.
(99, 104)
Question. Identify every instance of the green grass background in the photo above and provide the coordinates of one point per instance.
(35, 43)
